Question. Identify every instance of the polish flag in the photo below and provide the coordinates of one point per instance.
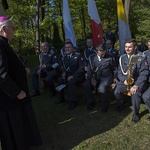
(97, 30)
(68, 27)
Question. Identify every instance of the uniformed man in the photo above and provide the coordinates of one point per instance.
(63, 52)
(72, 73)
(133, 77)
(143, 47)
(113, 52)
(99, 77)
(87, 52)
(48, 69)
(146, 94)
(109, 35)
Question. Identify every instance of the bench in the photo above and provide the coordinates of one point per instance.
(80, 84)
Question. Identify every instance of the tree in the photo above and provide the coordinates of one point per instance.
(24, 14)
(57, 42)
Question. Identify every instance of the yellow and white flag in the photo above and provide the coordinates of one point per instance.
(123, 27)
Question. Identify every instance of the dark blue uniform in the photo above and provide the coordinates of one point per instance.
(110, 36)
(146, 94)
(63, 52)
(49, 73)
(139, 74)
(86, 54)
(102, 72)
(142, 48)
(73, 67)
(115, 56)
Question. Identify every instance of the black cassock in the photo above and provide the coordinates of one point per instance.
(18, 126)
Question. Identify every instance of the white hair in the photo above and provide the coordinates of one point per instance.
(4, 23)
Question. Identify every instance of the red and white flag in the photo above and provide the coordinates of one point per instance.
(69, 32)
(97, 30)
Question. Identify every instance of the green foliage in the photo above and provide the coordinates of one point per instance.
(24, 18)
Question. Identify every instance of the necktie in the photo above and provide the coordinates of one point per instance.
(109, 51)
(68, 57)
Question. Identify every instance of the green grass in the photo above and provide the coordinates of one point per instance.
(82, 130)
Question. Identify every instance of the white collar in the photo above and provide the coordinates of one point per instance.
(99, 58)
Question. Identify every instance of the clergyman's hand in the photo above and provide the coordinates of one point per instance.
(21, 95)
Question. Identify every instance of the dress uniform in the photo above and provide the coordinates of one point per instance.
(63, 53)
(142, 48)
(86, 54)
(139, 74)
(48, 58)
(146, 94)
(115, 56)
(102, 70)
(72, 66)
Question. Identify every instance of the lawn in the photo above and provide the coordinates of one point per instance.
(79, 129)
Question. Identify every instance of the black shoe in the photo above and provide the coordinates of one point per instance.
(90, 107)
(35, 93)
(60, 100)
(72, 106)
(148, 118)
(135, 118)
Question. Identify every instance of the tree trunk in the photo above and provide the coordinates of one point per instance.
(37, 27)
(83, 24)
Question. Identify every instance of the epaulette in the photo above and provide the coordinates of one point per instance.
(145, 52)
(76, 53)
(123, 55)
(141, 54)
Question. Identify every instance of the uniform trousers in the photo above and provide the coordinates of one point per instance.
(71, 87)
(49, 80)
(102, 89)
(146, 98)
(135, 98)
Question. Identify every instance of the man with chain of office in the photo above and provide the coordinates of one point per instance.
(131, 76)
